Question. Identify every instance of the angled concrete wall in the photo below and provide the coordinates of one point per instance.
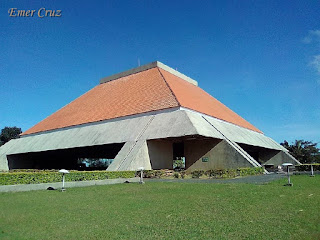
(213, 154)
(160, 154)
(154, 154)
(3, 163)
(132, 156)
(277, 158)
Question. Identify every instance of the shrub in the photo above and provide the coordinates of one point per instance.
(48, 176)
(176, 175)
(230, 173)
(147, 173)
(158, 173)
(215, 173)
(183, 174)
(307, 167)
(154, 173)
(197, 173)
(250, 171)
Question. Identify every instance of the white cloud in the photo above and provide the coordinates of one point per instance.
(315, 63)
(313, 36)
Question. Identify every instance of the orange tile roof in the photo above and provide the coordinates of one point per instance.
(149, 90)
(193, 97)
(138, 93)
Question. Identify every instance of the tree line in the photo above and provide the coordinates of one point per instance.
(8, 133)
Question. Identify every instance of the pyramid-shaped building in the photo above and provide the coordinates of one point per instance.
(144, 117)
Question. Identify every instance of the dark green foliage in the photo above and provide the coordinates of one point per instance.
(231, 173)
(9, 133)
(307, 167)
(250, 171)
(154, 173)
(178, 164)
(303, 151)
(158, 173)
(176, 175)
(212, 173)
(30, 176)
(197, 173)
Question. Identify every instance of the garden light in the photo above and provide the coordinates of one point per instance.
(312, 173)
(141, 174)
(63, 171)
(288, 174)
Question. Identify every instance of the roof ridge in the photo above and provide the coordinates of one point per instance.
(195, 98)
(173, 94)
(147, 67)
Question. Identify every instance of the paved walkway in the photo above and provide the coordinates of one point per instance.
(259, 179)
(58, 185)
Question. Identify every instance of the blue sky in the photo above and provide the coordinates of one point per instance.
(260, 58)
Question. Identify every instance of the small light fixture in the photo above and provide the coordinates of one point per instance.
(63, 171)
(312, 173)
(288, 173)
(140, 169)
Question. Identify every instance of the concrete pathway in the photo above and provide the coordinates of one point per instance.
(58, 185)
(260, 179)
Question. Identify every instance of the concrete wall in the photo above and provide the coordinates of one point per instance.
(220, 155)
(276, 158)
(153, 154)
(3, 163)
(132, 156)
(160, 154)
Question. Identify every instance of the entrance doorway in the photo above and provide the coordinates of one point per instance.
(179, 160)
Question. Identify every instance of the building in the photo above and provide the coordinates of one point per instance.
(144, 117)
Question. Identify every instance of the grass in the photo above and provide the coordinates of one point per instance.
(164, 210)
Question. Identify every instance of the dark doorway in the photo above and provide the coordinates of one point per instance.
(178, 156)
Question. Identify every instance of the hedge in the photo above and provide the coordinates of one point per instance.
(307, 167)
(27, 176)
(227, 173)
(211, 173)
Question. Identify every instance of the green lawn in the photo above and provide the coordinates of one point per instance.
(164, 210)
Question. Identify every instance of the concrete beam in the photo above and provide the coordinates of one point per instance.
(146, 67)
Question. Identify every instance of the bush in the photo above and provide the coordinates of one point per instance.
(214, 173)
(197, 173)
(250, 171)
(307, 167)
(26, 176)
(176, 175)
(158, 173)
(154, 173)
(231, 173)
(183, 174)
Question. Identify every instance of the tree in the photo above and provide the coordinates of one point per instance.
(303, 151)
(9, 133)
